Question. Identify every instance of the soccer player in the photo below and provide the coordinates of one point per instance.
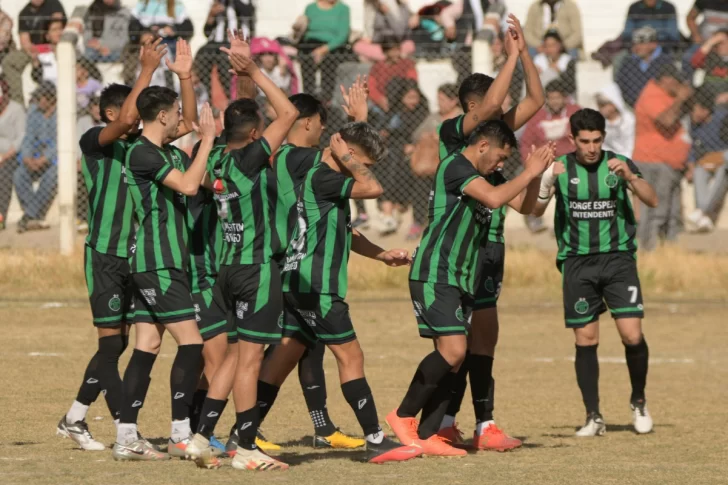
(481, 97)
(445, 268)
(595, 229)
(249, 280)
(107, 246)
(159, 185)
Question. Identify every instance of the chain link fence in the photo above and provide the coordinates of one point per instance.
(665, 104)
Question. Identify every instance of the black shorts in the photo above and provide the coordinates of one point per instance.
(252, 293)
(593, 283)
(440, 309)
(490, 281)
(310, 318)
(162, 296)
(109, 289)
(210, 315)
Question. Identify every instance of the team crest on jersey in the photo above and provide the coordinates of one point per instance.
(581, 306)
(574, 181)
(611, 180)
(115, 303)
(240, 308)
(197, 312)
(459, 314)
(490, 285)
(150, 295)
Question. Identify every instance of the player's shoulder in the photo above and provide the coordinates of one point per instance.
(452, 124)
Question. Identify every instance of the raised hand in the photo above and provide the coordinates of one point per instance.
(511, 43)
(151, 54)
(395, 257)
(339, 148)
(541, 159)
(355, 101)
(182, 65)
(516, 30)
(206, 127)
(242, 64)
(238, 44)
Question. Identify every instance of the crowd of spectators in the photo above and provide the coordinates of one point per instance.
(666, 107)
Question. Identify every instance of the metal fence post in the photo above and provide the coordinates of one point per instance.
(67, 141)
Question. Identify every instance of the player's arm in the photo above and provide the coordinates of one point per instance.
(525, 202)
(629, 173)
(245, 87)
(534, 100)
(366, 185)
(188, 182)
(355, 101)
(392, 257)
(150, 56)
(286, 113)
(546, 189)
(182, 67)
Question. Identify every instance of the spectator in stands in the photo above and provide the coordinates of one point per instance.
(551, 123)
(645, 62)
(715, 19)
(385, 20)
(325, 38)
(657, 14)
(563, 16)
(554, 63)
(165, 18)
(86, 86)
(620, 121)
(12, 132)
(32, 29)
(712, 56)
(660, 152)
(6, 35)
(45, 67)
(106, 30)
(38, 160)
(224, 15)
(394, 66)
(705, 163)
(274, 67)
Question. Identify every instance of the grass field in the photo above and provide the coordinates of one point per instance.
(45, 348)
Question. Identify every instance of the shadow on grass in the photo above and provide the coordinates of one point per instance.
(611, 428)
(295, 459)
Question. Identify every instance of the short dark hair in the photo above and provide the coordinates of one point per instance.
(557, 86)
(389, 42)
(153, 100)
(113, 96)
(587, 119)
(308, 106)
(241, 117)
(476, 84)
(52, 21)
(449, 90)
(496, 131)
(553, 34)
(365, 137)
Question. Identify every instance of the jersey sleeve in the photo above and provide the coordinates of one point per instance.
(451, 135)
(89, 142)
(253, 158)
(329, 184)
(633, 167)
(459, 174)
(148, 163)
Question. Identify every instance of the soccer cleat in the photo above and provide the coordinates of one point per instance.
(338, 440)
(594, 426)
(641, 417)
(217, 445)
(199, 450)
(436, 445)
(256, 460)
(177, 449)
(79, 433)
(232, 443)
(389, 450)
(453, 435)
(264, 444)
(404, 428)
(493, 438)
(139, 450)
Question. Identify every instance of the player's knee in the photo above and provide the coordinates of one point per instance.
(112, 347)
(632, 338)
(350, 356)
(453, 350)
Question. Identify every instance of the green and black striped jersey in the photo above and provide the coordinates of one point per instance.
(593, 209)
(161, 239)
(458, 226)
(244, 200)
(110, 209)
(451, 136)
(498, 216)
(290, 166)
(317, 257)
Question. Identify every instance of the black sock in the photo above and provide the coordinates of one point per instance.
(136, 384)
(428, 374)
(184, 378)
(587, 376)
(481, 375)
(313, 384)
(638, 357)
(90, 387)
(436, 406)
(211, 411)
(248, 422)
(198, 401)
(110, 349)
(458, 388)
(267, 394)
(359, 397)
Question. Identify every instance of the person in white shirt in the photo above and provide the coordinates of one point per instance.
(620, 120)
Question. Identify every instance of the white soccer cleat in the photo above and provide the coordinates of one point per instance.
(256, 460)
(705, 224)
(641, 417)
(79, 433)
(199, 451)
(594, 426)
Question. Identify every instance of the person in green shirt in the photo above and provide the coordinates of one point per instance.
(595, 229)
